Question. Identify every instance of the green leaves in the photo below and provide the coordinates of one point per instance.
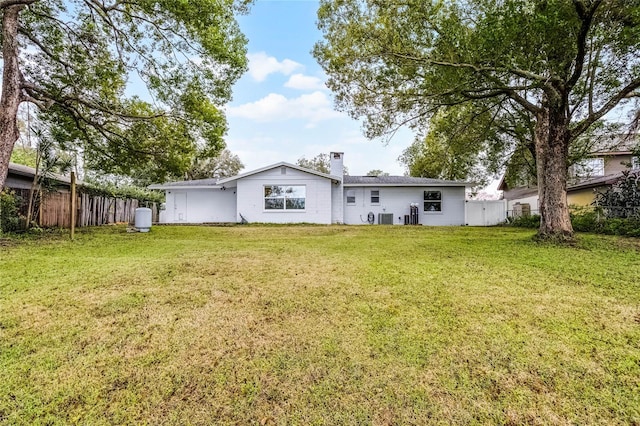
(80, 57)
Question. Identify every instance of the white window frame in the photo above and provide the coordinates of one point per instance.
(351, 193)
(284, 198)
(635, 163)
(432, 201)
(371, 196)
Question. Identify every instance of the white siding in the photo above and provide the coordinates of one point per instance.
(317, 203)
(201, 206)
(337, 203)
(396, 200)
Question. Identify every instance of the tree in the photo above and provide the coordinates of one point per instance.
(76, 61)
(224, 165)
(377, 172)
(320, 163)
(566, 63)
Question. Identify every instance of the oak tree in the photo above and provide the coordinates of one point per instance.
(82, 63)
(567, 63)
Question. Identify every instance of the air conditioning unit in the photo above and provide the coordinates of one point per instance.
(385, 218)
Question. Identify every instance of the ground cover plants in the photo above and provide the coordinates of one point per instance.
(319, 325)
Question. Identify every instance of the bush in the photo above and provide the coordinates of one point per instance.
(9, 217)
(532, 221)
(588, 220)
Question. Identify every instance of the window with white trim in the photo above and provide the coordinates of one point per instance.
(635, 163)
(432, 201)
(281, 197)
(375, 196)
(351, 196)
(589, 167)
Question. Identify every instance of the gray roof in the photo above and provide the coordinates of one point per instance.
(26, 171)
(399, 181)
(614, 144)
(210, 182)
(516, 193)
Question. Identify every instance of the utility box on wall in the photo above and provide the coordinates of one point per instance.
(385, 218)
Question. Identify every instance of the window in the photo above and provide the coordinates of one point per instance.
(278, 197)
(589, 168)
(635, 163)
(351, 196)
(375, 196)
(432, 201)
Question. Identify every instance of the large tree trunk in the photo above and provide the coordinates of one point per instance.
(11, 88)
(552, 151)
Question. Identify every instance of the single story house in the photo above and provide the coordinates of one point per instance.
(287, 193)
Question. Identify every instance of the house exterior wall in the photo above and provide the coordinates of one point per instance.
(200, 206)
(582, 197)
(397, 200)
(617, 164)
(317, 204)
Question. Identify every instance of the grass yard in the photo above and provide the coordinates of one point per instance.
(319, 325)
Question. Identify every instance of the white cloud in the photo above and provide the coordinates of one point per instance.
(261, 65)
(313, 107)
(304, 82)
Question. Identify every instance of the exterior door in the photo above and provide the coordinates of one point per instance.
(179, 206)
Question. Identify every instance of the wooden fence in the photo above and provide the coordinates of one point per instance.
(54, 210)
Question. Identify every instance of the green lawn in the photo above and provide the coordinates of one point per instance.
(319, 325)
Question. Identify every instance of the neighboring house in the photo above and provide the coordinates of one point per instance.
(287, 193)
(612, 154)
(21, 178)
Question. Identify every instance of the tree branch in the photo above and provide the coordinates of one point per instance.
(587, 17)
(626, 92)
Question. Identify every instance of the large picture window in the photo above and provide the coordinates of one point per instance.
(280, 197)
(432, 201)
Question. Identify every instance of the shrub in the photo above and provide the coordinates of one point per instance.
(532, 221)
(9, 217)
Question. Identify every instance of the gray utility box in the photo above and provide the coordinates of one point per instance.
(385, 218)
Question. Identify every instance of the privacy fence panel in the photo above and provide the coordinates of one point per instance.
(54, 209)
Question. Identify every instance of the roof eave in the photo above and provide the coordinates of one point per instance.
(450, 184)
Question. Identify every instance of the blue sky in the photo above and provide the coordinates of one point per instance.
(281, 109)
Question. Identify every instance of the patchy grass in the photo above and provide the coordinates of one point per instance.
(319, 325)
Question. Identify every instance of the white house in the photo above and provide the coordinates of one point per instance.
(287, 193)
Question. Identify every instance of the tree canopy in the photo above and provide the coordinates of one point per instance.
(565, 63)
(82, 64)
(320, 163)
(226, 164)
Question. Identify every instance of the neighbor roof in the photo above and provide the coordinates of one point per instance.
(29, 172)
(595, 182)
(615, 144)
(399, 181)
